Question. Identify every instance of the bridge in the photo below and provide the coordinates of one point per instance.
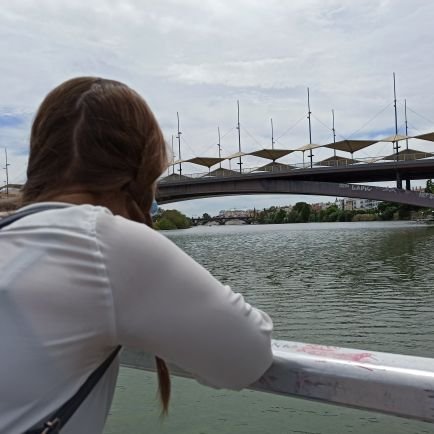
(337, 181)
(324, 181)
(220, 220)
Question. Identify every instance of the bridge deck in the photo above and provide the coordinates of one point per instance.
(322, 181)
(374, 172)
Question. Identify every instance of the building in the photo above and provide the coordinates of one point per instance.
(236, 213)
(352, 204)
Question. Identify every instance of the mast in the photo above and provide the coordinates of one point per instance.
(395, 144)
(333, 129)
(406, 123)
(310, 127)
(179, 146)
(7, 172)
(219, 145)
(272, 134)
(407, 181)
(239, 134)
(173, 158)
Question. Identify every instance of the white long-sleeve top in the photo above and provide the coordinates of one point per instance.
(76, 282)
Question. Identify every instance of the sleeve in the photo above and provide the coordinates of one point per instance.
(167, 304)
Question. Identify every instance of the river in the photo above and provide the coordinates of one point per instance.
(362, 285)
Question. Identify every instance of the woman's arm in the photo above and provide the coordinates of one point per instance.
(167, 304)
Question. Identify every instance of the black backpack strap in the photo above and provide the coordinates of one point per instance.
(61, 416)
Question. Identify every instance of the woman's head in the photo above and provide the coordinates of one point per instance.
(96, 136)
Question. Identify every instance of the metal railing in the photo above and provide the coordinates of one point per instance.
(280, 168)
(381, 382)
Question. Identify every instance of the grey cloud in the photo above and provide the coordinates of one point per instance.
(199, 57)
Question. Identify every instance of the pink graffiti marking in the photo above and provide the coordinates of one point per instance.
(334, 353)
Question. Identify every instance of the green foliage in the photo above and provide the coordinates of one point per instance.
(279, 216)
(302, 212)
(206, 217)
(172, 219)
(429, 186)
(390, 211)
(303, 209)
(165, 224)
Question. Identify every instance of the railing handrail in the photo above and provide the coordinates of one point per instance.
(227, 173)
(388, 383)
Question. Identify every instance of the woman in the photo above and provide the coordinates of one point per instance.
(86, 275)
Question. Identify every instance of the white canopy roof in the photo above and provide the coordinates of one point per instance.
(204, 161)
(427, 136)
(308, 147)
(236, 155)
(395, 138)
(349, 145)
(271, 154)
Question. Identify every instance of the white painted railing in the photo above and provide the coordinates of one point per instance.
(381, 382)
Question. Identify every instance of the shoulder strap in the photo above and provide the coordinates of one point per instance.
(61, 416)
(64, 413)
(6, 221)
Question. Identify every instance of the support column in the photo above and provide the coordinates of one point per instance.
(407, 184)
(398, 181)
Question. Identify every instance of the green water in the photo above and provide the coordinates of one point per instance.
(361, 285)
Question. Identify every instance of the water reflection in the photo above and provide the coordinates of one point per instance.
(344, 284)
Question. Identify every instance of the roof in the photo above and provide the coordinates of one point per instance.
(271, 154)
(348, 145)
(275, 167)
(174, 177)
(395, 138)
(173, 163)
(221, 171)
(308, 147)
(409, 154)
(336, 161)
(205, 161)
(427, 136)
(236, 155)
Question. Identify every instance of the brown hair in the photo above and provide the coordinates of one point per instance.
(98, 136)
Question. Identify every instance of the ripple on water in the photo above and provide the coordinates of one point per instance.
(357, 285)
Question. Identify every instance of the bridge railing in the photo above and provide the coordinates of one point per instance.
(283, 168)
(381, 382)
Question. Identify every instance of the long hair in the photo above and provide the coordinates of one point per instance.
(98, 136)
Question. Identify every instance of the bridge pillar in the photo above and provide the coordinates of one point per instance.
(398, 181)
(407, 184)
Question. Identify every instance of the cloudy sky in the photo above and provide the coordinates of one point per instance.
(200, 57)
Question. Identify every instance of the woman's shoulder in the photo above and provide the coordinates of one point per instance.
(57, 215)
(120, 231)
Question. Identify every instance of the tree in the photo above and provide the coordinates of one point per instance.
(206, 217)
(429, 186)
(303, 209)
(172, 219)
(387, 210)
(279, 216)
(165, 224)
